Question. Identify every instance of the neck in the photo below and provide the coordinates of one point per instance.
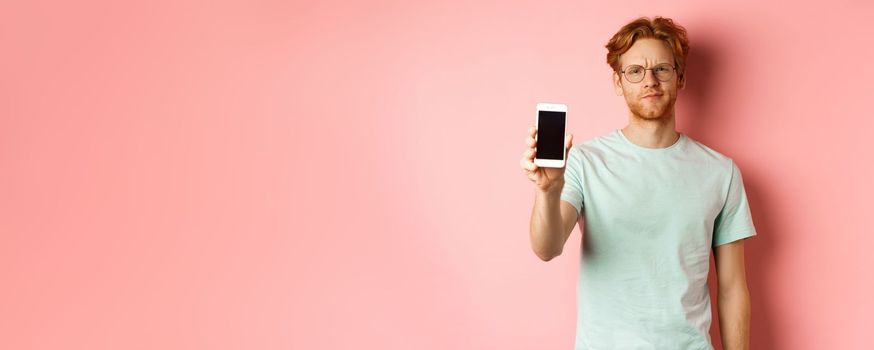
(651, 133)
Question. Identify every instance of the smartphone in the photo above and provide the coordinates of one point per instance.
(551, 125)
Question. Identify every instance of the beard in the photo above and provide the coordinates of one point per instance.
(654, 110)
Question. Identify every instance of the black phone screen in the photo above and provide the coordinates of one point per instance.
(550, 135)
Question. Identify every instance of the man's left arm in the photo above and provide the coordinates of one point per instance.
(734, 297)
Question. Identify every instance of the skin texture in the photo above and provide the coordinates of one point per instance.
(651, 123)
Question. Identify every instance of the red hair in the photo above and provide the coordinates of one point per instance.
(658, 28)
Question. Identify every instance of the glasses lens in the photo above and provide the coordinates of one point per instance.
(663, 72)
(634, 73)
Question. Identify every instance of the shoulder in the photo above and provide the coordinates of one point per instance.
(598, 146)
(709, 155)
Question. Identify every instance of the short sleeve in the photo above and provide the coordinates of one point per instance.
(572, 192)
(734, 221)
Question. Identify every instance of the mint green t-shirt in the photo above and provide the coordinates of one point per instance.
(651, 216)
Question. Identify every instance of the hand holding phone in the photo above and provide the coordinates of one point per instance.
(548, 144)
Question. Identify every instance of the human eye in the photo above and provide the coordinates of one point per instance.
(634, 69)
(663, 68)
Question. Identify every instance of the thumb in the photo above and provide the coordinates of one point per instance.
(569, 141)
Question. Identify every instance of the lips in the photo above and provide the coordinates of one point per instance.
(651, 95)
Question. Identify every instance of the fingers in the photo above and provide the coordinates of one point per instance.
(531, 140)
(527, 165)
(569, 140)
(527, 161)
(528, 154)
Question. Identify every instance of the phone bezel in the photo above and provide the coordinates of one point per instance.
(551, 107)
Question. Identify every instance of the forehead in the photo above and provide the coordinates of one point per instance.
(648, 52)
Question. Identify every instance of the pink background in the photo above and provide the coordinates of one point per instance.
(333, 175)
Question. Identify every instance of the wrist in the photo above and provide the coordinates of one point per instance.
(554, 189)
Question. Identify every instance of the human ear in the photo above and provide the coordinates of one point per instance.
(617, 84)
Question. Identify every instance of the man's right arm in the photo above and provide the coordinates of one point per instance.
(552, 222)
(552, 219)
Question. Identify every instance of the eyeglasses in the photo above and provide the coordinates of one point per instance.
(634, 73)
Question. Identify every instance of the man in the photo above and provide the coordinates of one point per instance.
(654, 203)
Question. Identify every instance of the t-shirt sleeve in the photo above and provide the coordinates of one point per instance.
(572, 192)
(734, 221)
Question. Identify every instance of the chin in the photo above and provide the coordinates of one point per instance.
(649, 114)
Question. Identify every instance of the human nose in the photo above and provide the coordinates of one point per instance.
(649, 78)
